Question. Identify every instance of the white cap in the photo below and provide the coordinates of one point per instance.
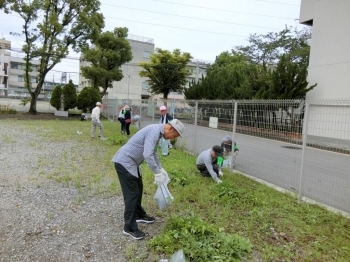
(98, 104)
(175, 123)
(162, 108)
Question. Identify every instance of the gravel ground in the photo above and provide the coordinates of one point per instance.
(42, 220)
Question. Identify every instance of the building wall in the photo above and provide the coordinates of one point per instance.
(11, 71)
(329, 64)
(134, 87)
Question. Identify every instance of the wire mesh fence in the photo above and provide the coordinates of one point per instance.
(301, 146)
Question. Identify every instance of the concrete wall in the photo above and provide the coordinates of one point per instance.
(329, 64)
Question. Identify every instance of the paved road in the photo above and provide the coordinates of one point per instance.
(326, 176)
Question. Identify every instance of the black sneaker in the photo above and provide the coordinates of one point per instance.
(138, 234)
(145, 219)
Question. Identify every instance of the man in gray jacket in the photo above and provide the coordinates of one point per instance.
(207, 163)
(141, 147)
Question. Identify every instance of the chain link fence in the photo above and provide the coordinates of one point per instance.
(300, 146)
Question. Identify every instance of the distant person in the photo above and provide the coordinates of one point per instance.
(226, 145)
(121, 119)
(83, 117)
(127, 117)
(141, 147)
(136, 121)
(209, 163)
(165, 144)
(95, 121)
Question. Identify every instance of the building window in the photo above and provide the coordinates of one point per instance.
(146, 54)
(14, 65)
(145, 86)
(190, 79)
(32, 79)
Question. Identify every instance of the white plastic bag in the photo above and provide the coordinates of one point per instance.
(163, 196)
(178, 257)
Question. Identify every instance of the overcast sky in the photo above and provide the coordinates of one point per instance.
(204, 28)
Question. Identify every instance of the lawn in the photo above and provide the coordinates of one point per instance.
(238, 219)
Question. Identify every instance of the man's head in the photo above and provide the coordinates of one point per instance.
(99, 104)
(216, 151)
(163, 110)
(173, 129)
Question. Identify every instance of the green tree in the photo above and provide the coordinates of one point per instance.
(267, 49)
(110, 50)
(166, 71)
(230, 77)
(69, 95)
(287, 81)
(50, 28)
(87, 99)
(56, 98)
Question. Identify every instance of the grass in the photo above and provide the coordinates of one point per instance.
(238, 219)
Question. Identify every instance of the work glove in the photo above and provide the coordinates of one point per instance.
(221, 174)
(166, 175)
(219, 181)
(159, 179)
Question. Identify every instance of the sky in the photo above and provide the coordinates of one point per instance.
(203, 28)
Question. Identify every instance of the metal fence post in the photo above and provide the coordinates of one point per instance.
(195, 127)
(234, 133)
(305, 124)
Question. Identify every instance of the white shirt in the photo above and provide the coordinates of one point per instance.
(96, 113)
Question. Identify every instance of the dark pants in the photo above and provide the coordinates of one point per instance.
(132, 188)
(122, 124)
(204, 171)
(127, 127)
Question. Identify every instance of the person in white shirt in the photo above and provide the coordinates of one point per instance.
(121, 119)
(208, 163)
(95, 121)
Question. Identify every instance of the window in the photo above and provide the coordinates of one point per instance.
(145, 86)
(190, 79)
(14, 65)
(32, 79)
(146, 54)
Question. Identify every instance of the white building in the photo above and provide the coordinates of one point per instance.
(12, 71)
(329, 64)
(134, 87)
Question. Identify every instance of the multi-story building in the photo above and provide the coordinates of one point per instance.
(132, 86)
(12, 71)
(329, 64)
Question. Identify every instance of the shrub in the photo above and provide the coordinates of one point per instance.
(56, 98)
(87, 99)
(200, 241)
(69, 95)
(5, 109)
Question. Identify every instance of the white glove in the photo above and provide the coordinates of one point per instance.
(219, 181)
(221, 174)
(166, 175)
(159, 178)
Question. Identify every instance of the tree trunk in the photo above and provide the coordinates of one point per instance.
(32, 108)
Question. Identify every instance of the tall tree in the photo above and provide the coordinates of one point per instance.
(267, 49)
(110, 50)
(50, 28)
(230, 77)
(287, 81)
(166, 71)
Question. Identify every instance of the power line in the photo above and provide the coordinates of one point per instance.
(272, 2)
(182, 28)
(190, 17)
(223, 10)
